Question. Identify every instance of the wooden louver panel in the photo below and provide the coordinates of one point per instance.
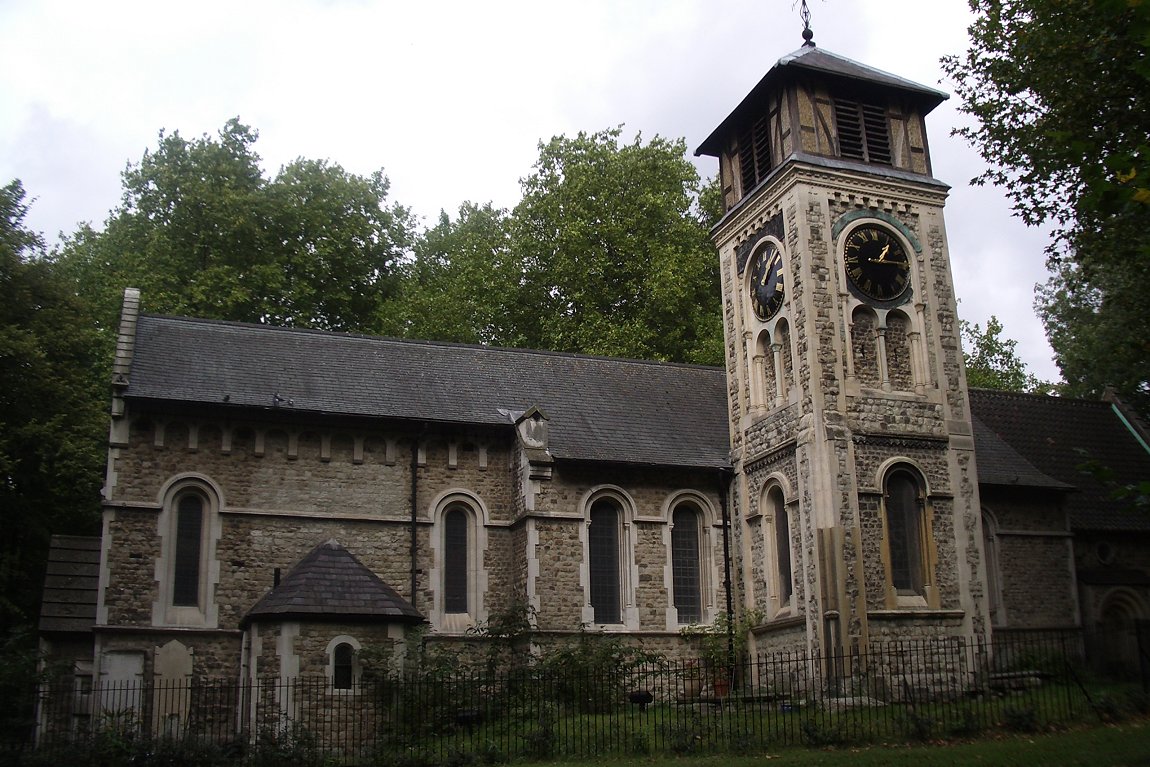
(877, 132)
(754, 150)
(849, 130)
(863, 131)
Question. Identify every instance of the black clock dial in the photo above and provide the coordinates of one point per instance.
(766, 282)
(877, 264)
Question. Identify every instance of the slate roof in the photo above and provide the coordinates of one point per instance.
(1060, 435)
(601, 409)
(71, 584)
(331, 584)
(811, 58)
(1000, 464)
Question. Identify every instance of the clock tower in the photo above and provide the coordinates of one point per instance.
(858, 518)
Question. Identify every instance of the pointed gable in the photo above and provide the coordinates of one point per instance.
(331, 584)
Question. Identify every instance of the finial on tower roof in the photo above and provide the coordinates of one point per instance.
(808, 33)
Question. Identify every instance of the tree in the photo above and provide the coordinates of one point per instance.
(615, 256)
(52, 420)
(1060, 90)
(1099, 328)
(464, 282)
(202, 232)
(992, 361)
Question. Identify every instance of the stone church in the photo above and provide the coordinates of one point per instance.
(277, 500)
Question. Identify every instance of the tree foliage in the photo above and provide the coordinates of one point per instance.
(52, 421)
(464, 283)
(992, 361)
(202, 232)
(614, 251)
(1060, 90)
(606, 253)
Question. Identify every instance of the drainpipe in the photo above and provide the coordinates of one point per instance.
(415, 515)
(724, 491)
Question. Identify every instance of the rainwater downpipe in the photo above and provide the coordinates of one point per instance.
(415, 515)
(725, 476)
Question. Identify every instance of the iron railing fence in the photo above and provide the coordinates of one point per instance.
(893, 691)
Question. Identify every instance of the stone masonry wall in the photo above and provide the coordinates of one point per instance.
(559, 521)
(1036, 577)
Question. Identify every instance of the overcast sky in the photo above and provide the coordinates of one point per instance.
(451, 98)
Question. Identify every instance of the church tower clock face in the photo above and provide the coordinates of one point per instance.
(766, 282)
(877, 265)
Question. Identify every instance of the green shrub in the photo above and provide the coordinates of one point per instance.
(1021, 719)
(967, 724)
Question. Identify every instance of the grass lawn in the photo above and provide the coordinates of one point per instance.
(1126, 744)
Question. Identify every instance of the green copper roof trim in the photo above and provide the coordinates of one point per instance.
(1129, 427)
(848, 218)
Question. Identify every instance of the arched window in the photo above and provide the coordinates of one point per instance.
(603, 548)
(455, 561)
(783, 337)
(765, 367)
(187, 565)
(189, 528)
(906, 534)
(864, 343)
(782, 546)
(993, 579)
(686, 580)
(898, 352)
(342, 668)
(777, 547)
(458, 573)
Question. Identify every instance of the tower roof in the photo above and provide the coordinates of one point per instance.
(331, 584)
(830, 65)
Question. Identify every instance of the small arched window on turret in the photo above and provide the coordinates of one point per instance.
(342, 671)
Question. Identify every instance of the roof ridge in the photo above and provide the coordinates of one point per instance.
(426, 342)
(1005, 394)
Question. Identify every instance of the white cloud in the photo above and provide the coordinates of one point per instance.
(450, 98)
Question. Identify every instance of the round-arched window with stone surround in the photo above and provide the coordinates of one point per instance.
(905, 524)
(608, 571)
(900, 369)
(777, 548)
(864, 346)
(687, 562)
(189, 529)
(459, 543)
(343, 667)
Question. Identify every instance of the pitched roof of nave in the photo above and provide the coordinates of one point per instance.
(330, 583)
(1066, 437)
(600, 409)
